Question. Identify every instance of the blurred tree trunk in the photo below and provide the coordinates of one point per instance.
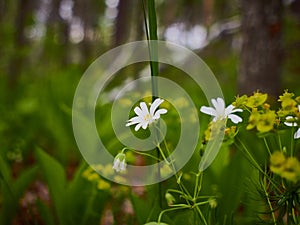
(261, 53)
(122, 27)
(57, 35)
(24, 14)
(88, 12)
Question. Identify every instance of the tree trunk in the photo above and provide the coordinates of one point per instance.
(24, 12)
(122, 27)
(261, 53)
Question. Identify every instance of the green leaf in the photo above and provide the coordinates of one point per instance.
(45, 213)
(12, 192)
(152, 19)
(5, 174)
(143, 208)
(56, 180)
(87, 195)
(186, 217)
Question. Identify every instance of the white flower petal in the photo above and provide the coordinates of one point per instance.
(144, 125)
(144, 108)
(138, 126)
(155, 105)
(133, 120)
(299, 108)
(290, 124)
(220, 112)
(215, 104)
(208, 110)
(297, 134)
(123, 165)
(235, 119)
(158, 113)
(229, 109)
(144, 118)
(236, 110)
(138, 111)
(220, 106)
(116, 164)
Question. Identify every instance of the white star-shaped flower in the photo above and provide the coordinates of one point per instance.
(293, 124)
(144, 116)
(220, 112)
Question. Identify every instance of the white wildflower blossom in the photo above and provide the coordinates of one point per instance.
(144, 116)
(220, 112)
(293, 124)
(119, 164)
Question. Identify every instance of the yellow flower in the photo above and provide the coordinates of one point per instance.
(90, 174)
(266, 121)
(253, 119)
(230, 131)
(108, 170)
(240, 101)
(180, 103)
(257, 99)
(277, 162)
(119, 179)
(288, 104)
(87, 173)
(291, 170)
(285, 96)
(94, 177)
(213, 130)
(125, 102)
(103, 185)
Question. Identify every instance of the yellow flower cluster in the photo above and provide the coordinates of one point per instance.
(288, 168)
(289, 104)
(213, 130)
(92, 176)
(263, 120)
(262, 117)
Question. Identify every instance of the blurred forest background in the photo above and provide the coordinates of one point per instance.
(46, 45)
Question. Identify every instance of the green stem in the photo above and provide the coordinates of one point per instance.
(145, 154)
(179, 206)
(198, 184)
(292, 142)
(187, 197)
(201, 215)
(252, 160)
(267, 146)
(162, 154)
(269, 203)
(181, 186)
(254, 163)
(151, 33)
(279, 141)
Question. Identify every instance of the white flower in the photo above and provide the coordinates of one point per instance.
(144, 117)
(293, 124)
(220, 112)
(120, 163)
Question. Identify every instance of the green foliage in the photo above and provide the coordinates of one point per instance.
(69, 197)
(55, 178)
(12, 190)
(38, 77)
